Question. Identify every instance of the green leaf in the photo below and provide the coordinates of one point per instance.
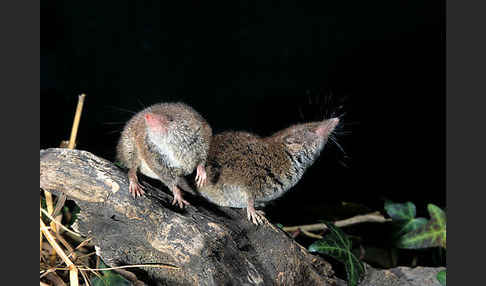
(432, 234)
(403, 227)
(108, 278)
(337, 245)
(399, 211)
(403, 217)
(441, 276)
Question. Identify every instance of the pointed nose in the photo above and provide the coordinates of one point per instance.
(333, 122)
(327, 126)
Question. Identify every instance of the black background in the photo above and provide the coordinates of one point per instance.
(261, 67)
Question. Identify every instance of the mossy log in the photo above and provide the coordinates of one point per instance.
(210, 245)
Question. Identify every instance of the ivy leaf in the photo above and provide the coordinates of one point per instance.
(407, 226)
(441, 276)
(108, 278)
(400, 212)
(403, 216)
(337, 245)
(431, 234)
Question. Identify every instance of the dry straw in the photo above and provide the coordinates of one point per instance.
(73, 271)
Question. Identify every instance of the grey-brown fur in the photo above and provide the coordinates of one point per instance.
(245, 170)
(165, 156)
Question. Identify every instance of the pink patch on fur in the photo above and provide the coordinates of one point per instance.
(151, 119)
(155, 122)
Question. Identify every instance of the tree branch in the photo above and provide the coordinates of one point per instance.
(211, 245)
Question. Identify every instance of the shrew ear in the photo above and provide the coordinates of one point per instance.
(155, 119)
(156, 122)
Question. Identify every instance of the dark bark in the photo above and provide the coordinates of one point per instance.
(399, 276)
(211, 245)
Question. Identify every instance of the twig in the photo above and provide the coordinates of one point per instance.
(73, 276)
(50, 209)
(59, 204)
(313, 235)
(73, 271)
(85, 278)
(45, 272)
(73, 253)
(84, 243)
(371, 217)
(72, 143)
(85, 255)
(58, 223)
(77, 117)
(65, 243)
(40, 202)
(124, 266)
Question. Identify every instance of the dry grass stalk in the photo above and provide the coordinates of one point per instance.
(60, 225)
(82, 244)
(40, 202)
(50, 207)
(55, 221)
(71, 145)
(73, 271)
(167, 266)
(77, 117)
(306, 229)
